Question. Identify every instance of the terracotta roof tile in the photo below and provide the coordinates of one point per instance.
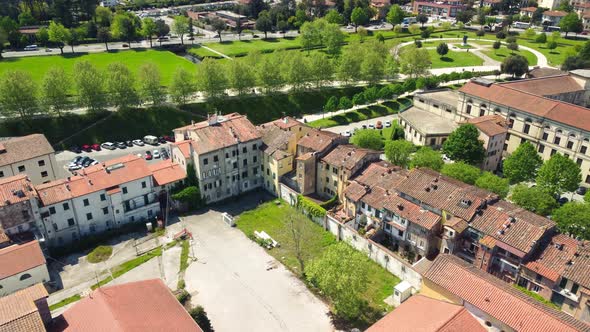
(348, 156)
(18, 312)
(165, 172)
(185, 148)
(544, 71)
(283, 123)
(140, 306)
(16, 189)
(381, 173)
(318, 140)
(275, 140)
(556, 13)
(552, 260)
(54, 192)
(528, 9)
(546, 86)
(442, 317)
(355, 191)
(19, 258)
(24, 148)
(414, 213)
(490, 125)
(498, 299)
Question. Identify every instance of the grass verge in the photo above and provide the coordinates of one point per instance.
(65, 302)
(123, 268)
(184, 255)
(99, 254)
(366, 113)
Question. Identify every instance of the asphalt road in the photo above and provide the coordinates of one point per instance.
(358, 125)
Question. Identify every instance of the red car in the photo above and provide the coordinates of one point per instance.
(169, 138)
(86, 148)
(95, 147)
(148, 155)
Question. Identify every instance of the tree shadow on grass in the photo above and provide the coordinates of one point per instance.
(447, 59)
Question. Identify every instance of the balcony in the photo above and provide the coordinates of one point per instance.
(566, 293)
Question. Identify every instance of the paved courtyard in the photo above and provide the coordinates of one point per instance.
(241, 287)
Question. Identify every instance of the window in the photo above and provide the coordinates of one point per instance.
(55, 227)
(205, 161)
(468, 110)
(432, 141)
(583, 149)
(66, 206)
(538, 278)
(244, 149)
(52, 210)
(570, 144)
(535, 288)
(526, 129)
(1, 174)
(41, 163)
(86, 202)
(563, 283)
(71, 222)
(541, 148)
(254, 147)
(103, 197)
(215, 159)
(556, 140)
(44, 174)
(235, 164)
(545, 135)
(254, 159)
(508, 136)
(575, 288)
(124, 190)
(25, 276)
(21, 168)
(579, 161)
(482, 112)
(553, 151)
(105, 210)
(143, 184)
(88, 216)
(587, 179)
(245, 162)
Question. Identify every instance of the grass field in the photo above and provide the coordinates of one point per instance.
(100, 254)
(502, 53)
(369, 112)
(166, 61)
(454, 59)
(234, 48)
(269, 217)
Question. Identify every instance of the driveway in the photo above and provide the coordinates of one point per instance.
(231, 279)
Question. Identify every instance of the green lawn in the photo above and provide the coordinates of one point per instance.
(184, 255)
(65, 302)
(269, 217)
(502, 53)
(125, 267)
(235, 48)
(454, 59)
(201, 52)
(166, 61)
(390, 107)
(100, 254)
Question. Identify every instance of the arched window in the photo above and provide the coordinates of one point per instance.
(497, 110)
(25, 276)
(559, 131)
(483, 106)
(469, 101)
(573, 135)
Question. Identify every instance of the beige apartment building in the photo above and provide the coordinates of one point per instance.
(31, 155)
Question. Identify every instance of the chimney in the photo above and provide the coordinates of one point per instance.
(286, 120)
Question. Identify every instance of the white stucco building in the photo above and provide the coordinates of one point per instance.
(21, 266)
(31, 155)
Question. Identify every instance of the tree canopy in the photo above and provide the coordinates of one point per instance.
(464, 145)
(398, 152)
(414, 61)
(516, 65)
(462, 172)
(522, 164)
(559, 174)
(533, 199)
(573, 218)
(395, 15)
(426, 157)
(368, 139)
(493, 183)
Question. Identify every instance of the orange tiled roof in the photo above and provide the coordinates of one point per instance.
(18, 311)
(412, 212)
(24, 148)
(546, 86)
(381, 173)
(490, 125)
(348, 156)
(496, 298)
(317, 140)
(132, 307)
(16, 189)
(552, 260)
(54, 192)
(19, 258)
(528, 9)
(185, 148)
(283, 123)
(557, 13)
(442, 317)
(165, 172)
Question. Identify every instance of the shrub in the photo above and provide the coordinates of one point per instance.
(418, 43)
(310, 207)
(200, 317)
(183, 296)
(541, 38)
(501, 35)
(511, 39)
(190, 195)
(180, 284)
(99, 254)
(371, 94)
(359, 99)
(480, 33)
(344, 103)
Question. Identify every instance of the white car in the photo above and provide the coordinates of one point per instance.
(138, 142)
(74, 167)
(346, 133)
(387, 124)
(371, 126)
(156, 154)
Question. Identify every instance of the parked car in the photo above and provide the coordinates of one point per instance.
(85, 162)
(74, 167)
(129, 143)
(563, 200)
(169, 138)
(346, 133)
(76, 160)
(95, 147)
(75, 149)
(156, 154)
(581, 190)
(161, 140)
(387, 124)
(121, 145)
(379, 125)
(149, 139)
(148, 155)
(164, 153)
(108, 146)
(86, 148)
(364, 126)
(371, 126)
(138, 142)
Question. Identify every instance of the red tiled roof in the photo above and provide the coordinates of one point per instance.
(136, 306)
(317, 140)
(569, 114)
(550, 262)
(185, 148)
(442, 317)
(490, 125)
(557, 13)
(19, 258)
(16, 189)
(276, 140)
(18, 312)
(283, 123)
(165, 172)
(381, 173)
(53, 192)
(355, 191)
(412, 212)
(546, 86)
(497, 299)
(528, 9)
(24, 148)
(348, 156)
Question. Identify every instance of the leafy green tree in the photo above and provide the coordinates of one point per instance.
(268, 71)
(397, 29)
(125, 26)
(333, 38)
(362, 33)
(530, 33)
(191, 196)
(414, 62)
(551, 46)
(541, 38)
(517, 65)
(344, 103)
(90, 85)
(587, 197)
(18, 95)
(54, 90)
(559, 174)
(264, 23)
(150, 88)
(358, 17)
(533, 199)
(182, 86)
(555, 36)
(462, 172)
(121, 85)
(340, 272)
(200, 316)
(103, 16)
(218, 26)
(464, 145)
(522, 164)
(496, 45)
(373, 67)
(349, 68)
(513, 47)
(148, 29)
(414, 29)
(103, 35)
(395, 15)
(571, 23)
(3, 41)
(320, 69)
(333, 16)
(465, 16)
(331, 104)
(310, 35)
(74, 37)
(212, 78)
(442, 49)
(493, 183)
(162, 29)
(398, 152)
(368, 139)
(180, 27)
(58, 34)
(427, 157)
(398, 132)
(241, 76)
(573, 218)
(296, 71)
(42, 36)
(422, 19)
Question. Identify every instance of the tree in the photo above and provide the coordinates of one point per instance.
(395, 15)
(299, 232)
(150, 88)
(496, 45)
(573, 218)
(555, 36)
(191, 196)
(103, 16)
(349, 68)
(125, 26)
(180, 27)
(373, 66)
(565, 6)
(493, 183)
(530, 33)
(368, 139)
(462, 172)
(398, 132)
(42, 36)
(310, 35)
(414, 29)
(269, 72)
(571, 23)
(533, 199)
(362, 33)
(541, 38)
(148, 29)
(333, 38)
(162, 29)
(517, 65)
(398, 152)
(358, 17)
(442, 49)
(464, 145)
(464, 16)
(121, 85)
(3, 41)
(218, 26)
(296, 71)
(90, 85)
(333, 16)
(340, 272)
(331, 104)
(74, 36)
(200, 317)
(182, 86)
(103, 35)
(523, 164)
(264, 23)
(422, 19)
(551, 46)
(54, 90)
(241, 76)
(212, 79)
(18, 95)
(344, 103)
(513, 47)
(58, 34)
(559, 174)
(414, 62)
(398, 29)
(320, 69)
(426, 157)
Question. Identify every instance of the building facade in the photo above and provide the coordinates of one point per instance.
(22, 266)
(31, 155)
